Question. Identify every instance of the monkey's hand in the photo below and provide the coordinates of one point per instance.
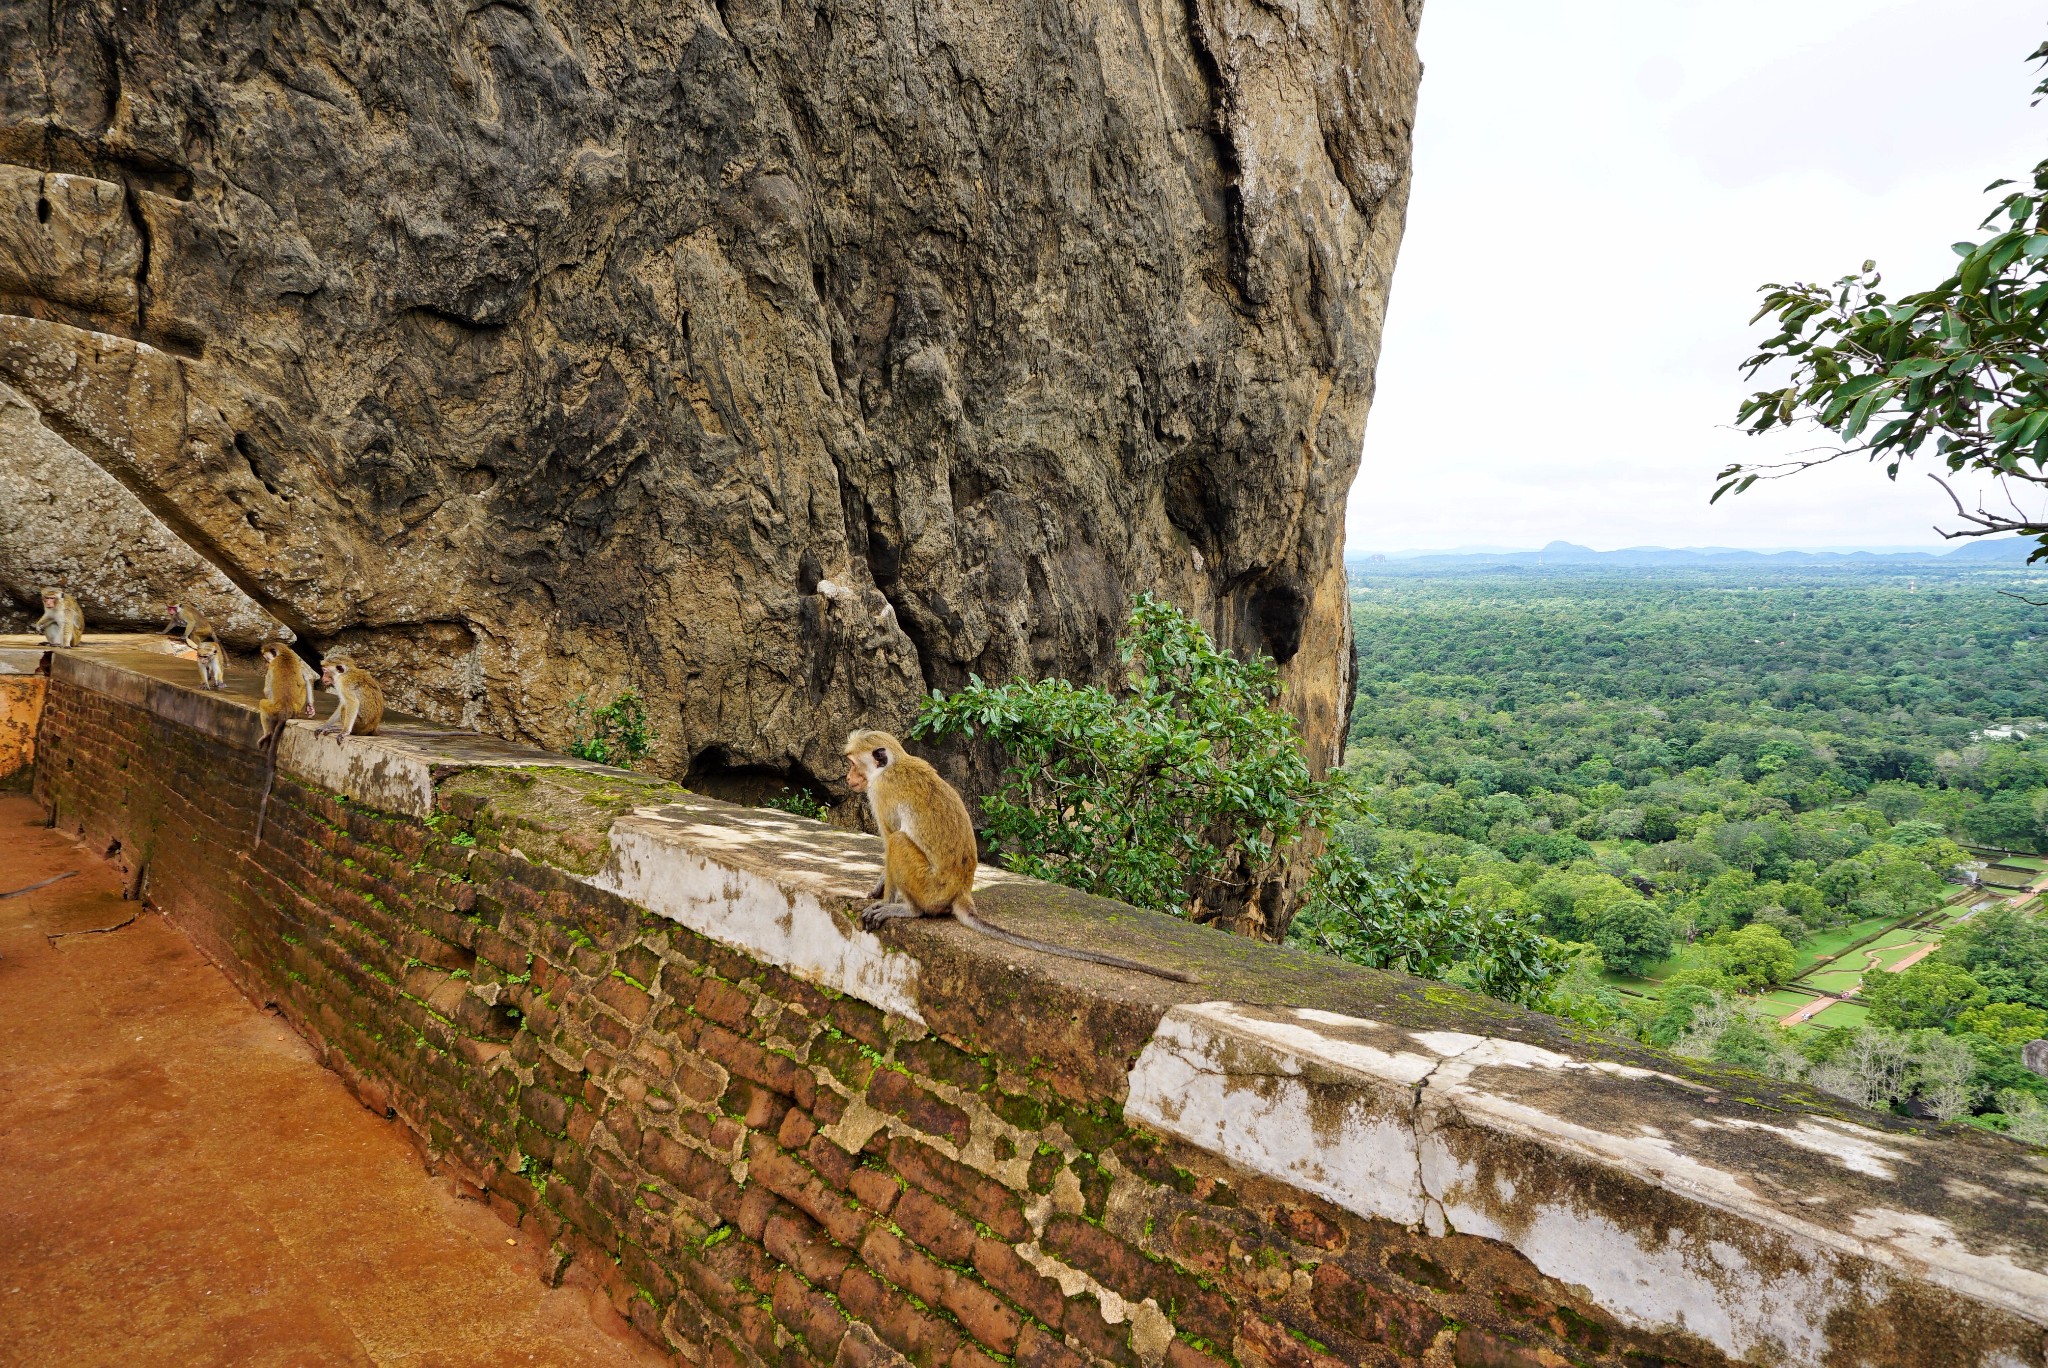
(331, 729)
(874, 914)
(309, 713)
(876, 893)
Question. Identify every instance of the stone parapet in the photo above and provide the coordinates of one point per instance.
(647, 1026)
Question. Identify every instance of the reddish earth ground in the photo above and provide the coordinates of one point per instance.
(186, 1186)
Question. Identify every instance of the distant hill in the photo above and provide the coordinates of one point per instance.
(2005, 551)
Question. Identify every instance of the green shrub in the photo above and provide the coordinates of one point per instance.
(1186, 790)
(616, 734)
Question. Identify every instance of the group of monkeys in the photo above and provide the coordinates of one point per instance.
(929, 854)
(288, 681)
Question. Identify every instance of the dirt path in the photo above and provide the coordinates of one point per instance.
(1922, 953)
(185, 1185)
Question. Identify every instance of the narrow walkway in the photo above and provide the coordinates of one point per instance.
(186, 1186)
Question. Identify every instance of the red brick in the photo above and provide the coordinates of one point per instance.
(760, 1108)
(723, 1003)
(1037, 1349)
(967, 1356)
(756, 1208)
(796, 1240)
(1083, 1320)
(785, 1176)
(1262, 1342)
(927, 1342)
(1181, 1354)
(810, 1315)
(1003, 1270)
(778, 1073)
(978, 1195)
(1310, 1228)
(874, 1188)
(901, 1263)
(940, 1229)
(833, 1164)
(896, 1094)
(697, 1080)
(796, 1132)
(1475, 1348)
(1363, 1311)
(1125, 1269)
(983, 1315)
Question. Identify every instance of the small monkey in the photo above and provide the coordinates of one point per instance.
(188, 622)
(62, 622)
(287, 689)
(928, 856)
(361, 709)
(212, 670)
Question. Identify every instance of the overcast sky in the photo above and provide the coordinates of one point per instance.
(1600, 186)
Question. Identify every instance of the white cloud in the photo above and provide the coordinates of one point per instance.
(1601, 185)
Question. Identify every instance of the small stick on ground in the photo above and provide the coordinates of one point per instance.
(55, 878)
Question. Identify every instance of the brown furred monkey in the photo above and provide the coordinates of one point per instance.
(287, 689)
(188, 622)
(929, 854)
(361, 709)
(62, 622)
(212, 669)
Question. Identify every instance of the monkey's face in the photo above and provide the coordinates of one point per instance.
(50, 599)
(864, 765)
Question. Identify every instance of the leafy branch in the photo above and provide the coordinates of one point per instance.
(1961, 368)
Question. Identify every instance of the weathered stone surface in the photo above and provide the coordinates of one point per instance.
(530, 351)
(2034, 1054)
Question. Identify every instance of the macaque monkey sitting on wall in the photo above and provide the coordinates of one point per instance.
(929, 853)
(62, 622)
(361, 709)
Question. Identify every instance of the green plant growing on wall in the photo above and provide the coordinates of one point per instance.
(1186, 790)
(1962, 366)
(797, 803)
(616, 734)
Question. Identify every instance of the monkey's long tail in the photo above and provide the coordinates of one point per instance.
(966, 916)
(269, 778)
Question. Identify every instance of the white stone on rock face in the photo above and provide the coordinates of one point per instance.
(367, 769)
(1855, 1148)
(662, 863)
(1274, 1098)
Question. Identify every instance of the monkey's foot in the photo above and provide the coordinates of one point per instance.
(874, 914)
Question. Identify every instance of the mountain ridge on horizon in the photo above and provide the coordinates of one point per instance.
(2002, 551)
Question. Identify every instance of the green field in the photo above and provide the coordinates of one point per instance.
(1841, 1014)
(1843, 974)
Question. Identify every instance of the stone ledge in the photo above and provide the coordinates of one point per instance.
(1778, 1226)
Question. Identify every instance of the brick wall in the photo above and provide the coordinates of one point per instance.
(762, 1171)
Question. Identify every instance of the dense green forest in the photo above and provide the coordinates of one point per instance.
(1711, 781)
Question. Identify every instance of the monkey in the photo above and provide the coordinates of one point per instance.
(188, 622)
(212, 670)
(361, 710)
(928, 856)
(62, 622)
(287, 689)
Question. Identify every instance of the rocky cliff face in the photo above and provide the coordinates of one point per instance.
(781, 361)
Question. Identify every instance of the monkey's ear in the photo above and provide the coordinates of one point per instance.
(881, 756)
